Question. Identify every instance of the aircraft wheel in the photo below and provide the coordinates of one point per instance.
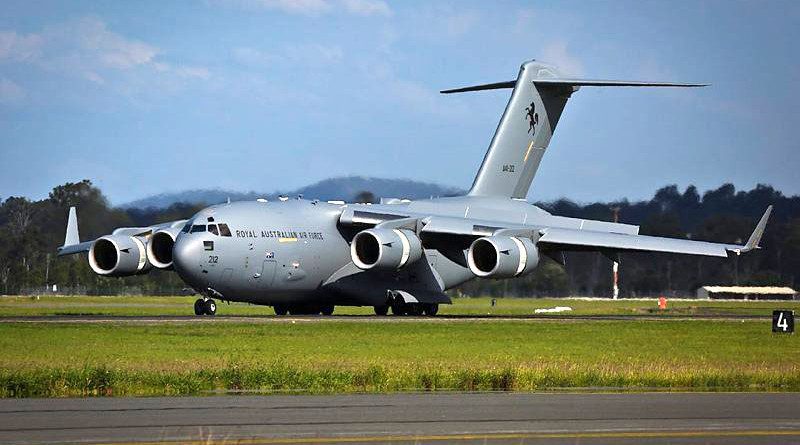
(211, 307)
(415, 309)
(298, 309)
(199, 307)
(430, 309)
(381, 310)
(280, 309)
(399, 309)
(327, 310)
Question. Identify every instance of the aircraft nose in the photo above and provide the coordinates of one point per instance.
(186, 254)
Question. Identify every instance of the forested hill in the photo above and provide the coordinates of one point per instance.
(343, 188)
(30, 232)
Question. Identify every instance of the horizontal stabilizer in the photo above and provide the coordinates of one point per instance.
(575, 83)
(613, 83)
(488, 86)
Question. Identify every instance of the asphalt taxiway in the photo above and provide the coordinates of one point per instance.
(529, 418)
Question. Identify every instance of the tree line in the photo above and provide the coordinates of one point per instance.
(30, 232)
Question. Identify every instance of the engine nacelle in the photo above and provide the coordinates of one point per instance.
(385, 248)
(502, 256)
(159, 249)
(118, 256)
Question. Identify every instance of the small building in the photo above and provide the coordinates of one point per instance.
(746, 293)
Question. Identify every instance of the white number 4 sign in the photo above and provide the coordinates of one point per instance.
(783, 321)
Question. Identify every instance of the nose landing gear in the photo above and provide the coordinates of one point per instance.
(205, 306)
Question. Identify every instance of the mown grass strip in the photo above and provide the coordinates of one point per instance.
(280, 377)
(182, 305)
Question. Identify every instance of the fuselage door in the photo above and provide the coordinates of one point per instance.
(262, 276)
(267, 273)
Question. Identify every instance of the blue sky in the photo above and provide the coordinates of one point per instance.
(152, 96)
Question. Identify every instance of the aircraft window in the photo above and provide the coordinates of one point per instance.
(213, 229)
(186, 227)
(198, 228)
(224, 230)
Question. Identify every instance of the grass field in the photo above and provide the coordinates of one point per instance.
(142, 305)
(60, 359)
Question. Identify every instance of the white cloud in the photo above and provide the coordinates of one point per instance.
(110, 49)
(306, 54)
(459, 23)
(253, 57)
(556, 53)
(313, 53)
(302, 7)
(315, 8)
(192, 72)
(368, 7)
(87, 49)
(437, 20)
(18, 47)
(10, 91)
(651, 69)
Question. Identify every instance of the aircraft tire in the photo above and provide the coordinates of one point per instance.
(415, 309)
(210, 307)
(199, 307)
(430, 309)
(327, 309)
(304, 309)
(381, 310)
(399, 309)
(280, 309)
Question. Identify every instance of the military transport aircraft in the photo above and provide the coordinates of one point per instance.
(305, 256)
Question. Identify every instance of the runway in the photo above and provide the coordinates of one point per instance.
(188, 319)
(529, 418)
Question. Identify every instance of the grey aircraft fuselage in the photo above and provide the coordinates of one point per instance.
(289, 251)
(296, 250)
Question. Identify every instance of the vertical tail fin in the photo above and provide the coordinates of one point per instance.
(524, 132)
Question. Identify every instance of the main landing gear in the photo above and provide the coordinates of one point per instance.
(414, 309)
(205, 306)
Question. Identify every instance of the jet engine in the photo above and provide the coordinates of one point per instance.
(159, 249)
(502, 256)
(385, 248)
(118, 256)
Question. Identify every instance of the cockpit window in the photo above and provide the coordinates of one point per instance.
(198, 228)
(186, 227)
(213, 229)
(224, 230)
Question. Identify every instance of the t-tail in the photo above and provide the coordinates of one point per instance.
(524, 132)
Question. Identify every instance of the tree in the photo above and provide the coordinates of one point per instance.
(366, 197)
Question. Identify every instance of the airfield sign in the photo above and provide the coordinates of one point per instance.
(783, 321)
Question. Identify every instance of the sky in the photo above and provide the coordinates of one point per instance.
(148, 97)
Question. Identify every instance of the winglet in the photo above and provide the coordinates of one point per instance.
(72, 237)
(755, 238)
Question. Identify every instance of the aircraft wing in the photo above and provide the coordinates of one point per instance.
(73, 245)
(623, 238)
(571, 239)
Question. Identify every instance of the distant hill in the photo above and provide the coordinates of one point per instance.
(342, 188)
